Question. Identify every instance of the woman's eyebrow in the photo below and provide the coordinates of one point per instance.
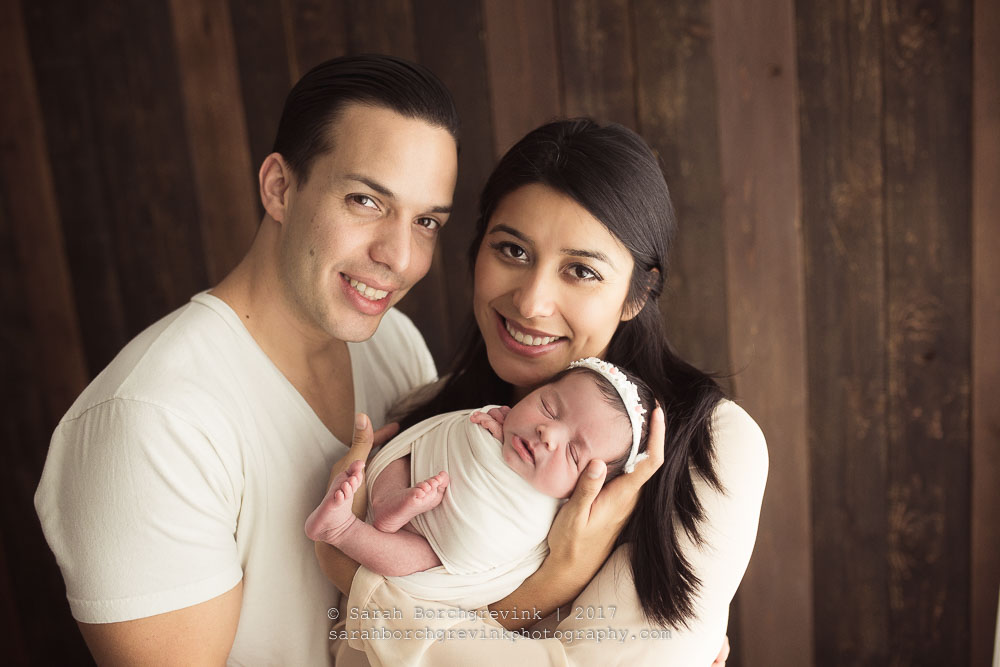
(589, 254)
(509, 230)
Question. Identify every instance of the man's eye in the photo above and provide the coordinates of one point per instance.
(429, 223)
(364, 200)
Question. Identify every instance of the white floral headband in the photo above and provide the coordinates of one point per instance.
(630, 397)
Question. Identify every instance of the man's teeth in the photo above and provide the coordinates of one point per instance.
(529, 340)
(369, 293)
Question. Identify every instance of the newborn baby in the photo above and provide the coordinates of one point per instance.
(476, 529)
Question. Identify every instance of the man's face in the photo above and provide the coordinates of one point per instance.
(360, 232)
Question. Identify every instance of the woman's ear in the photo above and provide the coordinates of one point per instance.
(275, 179)
(631, 310)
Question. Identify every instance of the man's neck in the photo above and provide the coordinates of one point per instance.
(318, 366)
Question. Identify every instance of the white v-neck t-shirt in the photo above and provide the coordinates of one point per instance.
(191, 463)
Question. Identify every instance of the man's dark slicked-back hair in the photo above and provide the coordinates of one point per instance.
(319, 97)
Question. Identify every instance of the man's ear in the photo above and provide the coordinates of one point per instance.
(631, 310)
(275, 180)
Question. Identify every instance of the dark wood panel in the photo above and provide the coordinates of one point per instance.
(459, 24)
(595, 52)
(316, 30)
(985, 326)
(57, 32)
(755, 62)
(381, 26)
(840, 92)
(141, 199)
(677, 111)
(265, 74)
(225, 182)
(927, 163)
(522, 66)
(42, 359)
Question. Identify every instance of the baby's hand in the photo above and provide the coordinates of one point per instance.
(492, 421)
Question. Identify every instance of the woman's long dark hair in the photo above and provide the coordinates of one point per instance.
(611, 172)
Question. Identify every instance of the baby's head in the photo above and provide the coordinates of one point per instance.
(551, 434)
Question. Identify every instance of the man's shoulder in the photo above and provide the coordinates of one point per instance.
(174, 354)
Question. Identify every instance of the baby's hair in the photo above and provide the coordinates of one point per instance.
(614, 399)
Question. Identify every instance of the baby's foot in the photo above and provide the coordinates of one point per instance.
(333, 517)
(394, 510)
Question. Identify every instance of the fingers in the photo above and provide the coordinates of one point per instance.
(500, 413)
(385, 434)
(363, 436)
(588, 486)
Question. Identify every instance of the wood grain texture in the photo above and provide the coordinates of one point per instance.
(927, 163)
(755, 61)
(42, 356)
(677, 111)
(225, 179)
(985, 575)
(459, 24)
(521, 59)
(264, 69)
(595, 50)
(840, 92)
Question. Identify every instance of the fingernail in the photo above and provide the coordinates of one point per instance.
(360, 421)
(594, 470)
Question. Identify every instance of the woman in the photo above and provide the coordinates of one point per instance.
(569, 258)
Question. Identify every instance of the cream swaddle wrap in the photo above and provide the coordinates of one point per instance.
(489, 530)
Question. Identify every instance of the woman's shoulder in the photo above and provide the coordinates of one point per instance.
(739, 444)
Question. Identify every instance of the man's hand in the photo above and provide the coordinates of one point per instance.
(337, 567)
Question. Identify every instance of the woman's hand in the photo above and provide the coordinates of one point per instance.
(583, 534)
(335, 565)
(586, 527)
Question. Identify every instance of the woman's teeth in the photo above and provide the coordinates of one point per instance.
(528, 340)
(369, 293)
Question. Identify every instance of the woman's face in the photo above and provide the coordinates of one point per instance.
(550, 285)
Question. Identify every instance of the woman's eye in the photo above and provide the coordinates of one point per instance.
(581, 272)
(547, 410)
(429, 223)
(511, 250)
(364, 200)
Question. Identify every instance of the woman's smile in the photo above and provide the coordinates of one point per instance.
(550, 285)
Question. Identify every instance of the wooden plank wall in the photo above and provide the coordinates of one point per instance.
(834, 167)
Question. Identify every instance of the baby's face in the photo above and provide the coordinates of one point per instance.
(551, 434)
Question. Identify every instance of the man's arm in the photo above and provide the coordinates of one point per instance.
(202, 634)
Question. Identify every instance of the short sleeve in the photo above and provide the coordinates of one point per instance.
(140, 511)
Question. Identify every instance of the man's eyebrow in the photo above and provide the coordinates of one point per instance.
(389, 194)
(374, 185)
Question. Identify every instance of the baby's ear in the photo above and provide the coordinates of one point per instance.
(632, 309)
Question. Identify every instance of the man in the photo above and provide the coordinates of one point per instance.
(177, 485)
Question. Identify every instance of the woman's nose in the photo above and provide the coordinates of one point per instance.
(536, 296)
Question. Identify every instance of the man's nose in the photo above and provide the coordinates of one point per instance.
(391, 245)
(536, 296)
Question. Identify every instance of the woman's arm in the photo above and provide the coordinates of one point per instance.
(605, 624)
(582, 535)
